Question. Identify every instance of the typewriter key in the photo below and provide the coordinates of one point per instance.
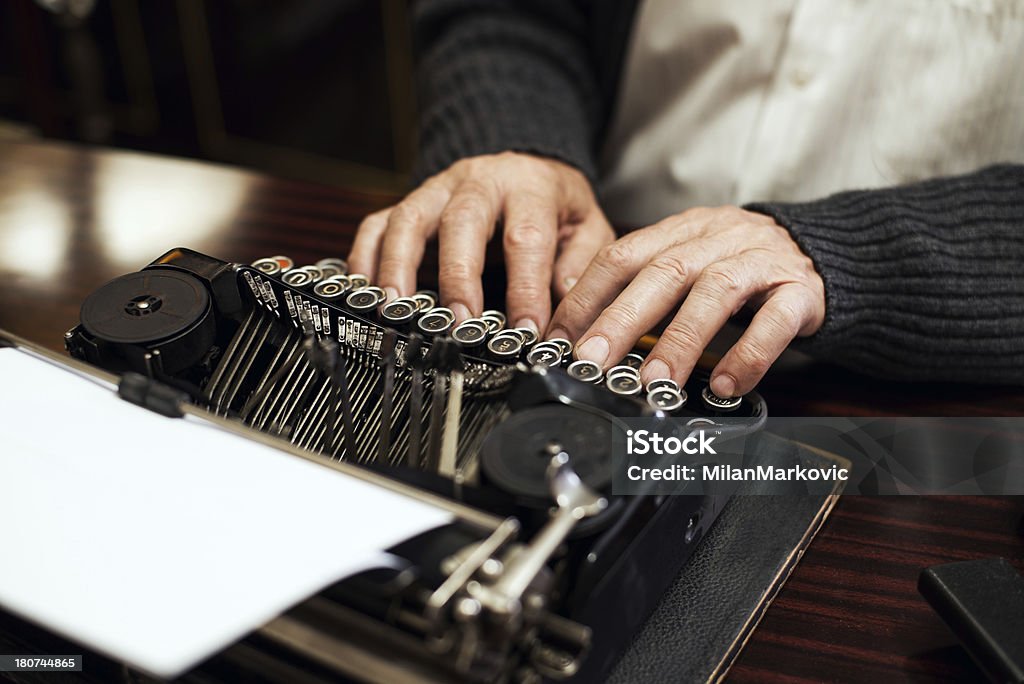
(425, 299)
(471, 332)
(666, 399)
(268, 265)
(587, 371)
(495, 319)
(624, 384)
(662, 382)
(633, 360)
(529, 335)
(399, 311)
(717, 403)
(515, 332)
(616, 371)
(314, 272)
(437, 321)
(284, 262)
(505, 346)
(333, 266)
(331, 288)
(364, 300)
(563, 344)
(297, 278)
(358, 280)
(544, 354)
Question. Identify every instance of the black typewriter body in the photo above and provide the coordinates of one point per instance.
(481, 416)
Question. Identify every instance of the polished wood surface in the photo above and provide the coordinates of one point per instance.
(72, 218)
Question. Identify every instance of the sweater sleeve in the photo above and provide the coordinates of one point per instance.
(922, 281)
(497, 75)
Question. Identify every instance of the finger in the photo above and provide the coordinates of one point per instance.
(654, 293)
(466, 225)
(609, 272)
(530, 240)
(410, 225)
(362, 258)
(718, 292)
(579, 249)
(773, 327)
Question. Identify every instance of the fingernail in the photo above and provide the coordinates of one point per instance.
(527, 323)
(391, 292)
(595, 349)
(723, 386)
(557, 332)
(569, 282)
(654, 370)
(461, 312)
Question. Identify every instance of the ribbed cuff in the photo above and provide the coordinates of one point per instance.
(922, 281)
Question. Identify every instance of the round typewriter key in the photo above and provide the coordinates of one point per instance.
(496, 315)
(624, 384)
(331, 288)
(717, 403)
(399, 311)
(504, 346)
(284, 262)
(314, 272)
(358, 280)
(563, 344)
(529, 335)
(363, 300)
(297, 278)
(515, 332)
(587, 371)
(666, 399)
(333, 266)
(544, 355)
(616, 371)
(425, 300)
(658, 383)
(493, 324)
(471, 332)
(436, 321)
(268, 265)
(633, 360)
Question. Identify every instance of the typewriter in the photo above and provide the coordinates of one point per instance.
(545, 575)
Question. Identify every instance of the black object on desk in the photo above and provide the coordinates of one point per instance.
(982, 601)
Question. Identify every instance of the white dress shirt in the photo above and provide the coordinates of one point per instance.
(731, 101)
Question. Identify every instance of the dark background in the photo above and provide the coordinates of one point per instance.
(309, 89)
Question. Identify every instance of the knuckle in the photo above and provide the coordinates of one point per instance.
(752, 359)
(680, 339)
(524, 236)
(390, 266)
(723, 278)
(671, 266)
(786, 318)
(455, 272)
(617, 256)
(619, 317)
(406, 214)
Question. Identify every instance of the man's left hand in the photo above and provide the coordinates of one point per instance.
(708, 263)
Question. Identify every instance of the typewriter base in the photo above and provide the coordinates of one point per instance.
(696, 631)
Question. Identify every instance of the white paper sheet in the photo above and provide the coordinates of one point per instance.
(160, 541)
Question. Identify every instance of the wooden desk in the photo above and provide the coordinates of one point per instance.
(72, 218)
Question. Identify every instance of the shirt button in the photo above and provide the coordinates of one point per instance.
(800, 77)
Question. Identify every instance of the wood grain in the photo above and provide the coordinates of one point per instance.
(71, 218)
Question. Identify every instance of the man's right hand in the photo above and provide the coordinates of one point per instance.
(552, 229)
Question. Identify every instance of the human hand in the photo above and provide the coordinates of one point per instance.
(552, 229)
(714, 260)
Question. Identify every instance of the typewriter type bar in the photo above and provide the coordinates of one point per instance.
(488, 421)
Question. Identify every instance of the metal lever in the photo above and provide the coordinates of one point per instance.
(576, 501)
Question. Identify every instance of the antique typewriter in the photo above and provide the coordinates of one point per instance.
(545, 573)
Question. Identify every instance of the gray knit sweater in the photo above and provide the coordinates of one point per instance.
(922, 281)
